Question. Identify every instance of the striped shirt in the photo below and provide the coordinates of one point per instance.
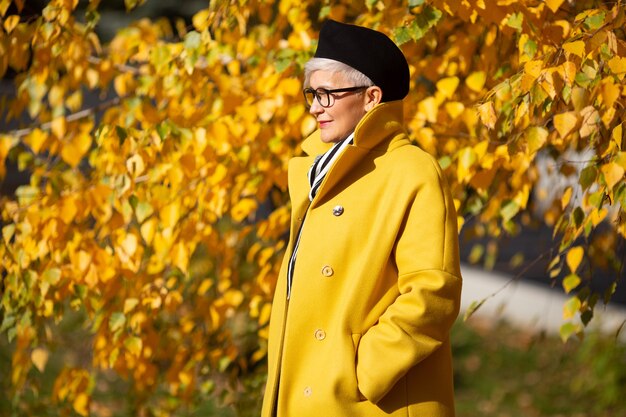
(316, 175)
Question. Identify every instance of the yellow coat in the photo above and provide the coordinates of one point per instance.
(376, 283)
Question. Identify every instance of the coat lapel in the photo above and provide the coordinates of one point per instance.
(377, 130)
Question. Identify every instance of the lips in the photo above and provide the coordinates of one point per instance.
(323, 123)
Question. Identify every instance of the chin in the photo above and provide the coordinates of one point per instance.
(329, 138)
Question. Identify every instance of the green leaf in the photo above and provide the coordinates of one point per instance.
(324, 12)
(571, 307)
(608, 294)
(131, 4)
(193, 40)
(415, 3)
(571, 282)
(121, 133)
(117, 321)
(597, 199)
(7, 323)
(402, 35)
(587, 176)
(7, 233)
(143, 211)
(424, 21)
(515, 21)
(536, 137)
(578, 216)
(474, 306)
(509, 210)
(594, 22)
(444, 162)
(51, 276)
(370, 4)
(567, 330)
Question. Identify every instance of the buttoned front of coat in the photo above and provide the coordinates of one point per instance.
(376, 283)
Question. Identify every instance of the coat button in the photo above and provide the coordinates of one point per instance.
(327, 271)
(320, 334)
(338, 210)
(308, 391)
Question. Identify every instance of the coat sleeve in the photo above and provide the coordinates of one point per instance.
(429, 285)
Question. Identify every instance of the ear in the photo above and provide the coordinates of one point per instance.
(373, 95)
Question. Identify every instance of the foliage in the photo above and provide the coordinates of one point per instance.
(158, 215)
(502, 370)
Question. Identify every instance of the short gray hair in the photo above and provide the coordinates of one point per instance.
(324, 64)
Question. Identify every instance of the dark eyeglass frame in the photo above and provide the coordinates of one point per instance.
(323, 92)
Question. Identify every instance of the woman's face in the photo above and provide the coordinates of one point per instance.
(346, 109)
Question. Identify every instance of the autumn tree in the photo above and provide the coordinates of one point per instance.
(156, 217)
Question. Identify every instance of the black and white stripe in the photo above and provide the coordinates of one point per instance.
(322, 164)
(316, 175)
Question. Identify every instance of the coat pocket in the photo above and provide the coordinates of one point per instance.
(356, 338)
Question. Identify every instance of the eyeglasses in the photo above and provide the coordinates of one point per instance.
(323, 95)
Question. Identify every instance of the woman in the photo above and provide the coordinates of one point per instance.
(370, 284)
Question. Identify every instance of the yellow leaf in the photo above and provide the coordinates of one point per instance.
(290, 87)
(185, 378)
(129, 244)
(576, 48)
(39, 356)
(148, 229)
(93, 77)
(613, 173)
(568, 72)
(554, 4)
(597, 216)
(476, 81)
(590, 121)
(571, 307)
(487, 114)
(466, 159)
(567, 196)
(11, 22)
(547, 83)
(428, 108)
(35, 139)
(58, 126)
(134, 344)
(243, 208)
(609, 92)
(616, 135)
(205, 285)
(68, 208)
(170, 214)
(447, 86)
(135, 165)
(307, 126)
(130, 304)
(580, 98)
(533, 68)
(574, 257)
(81, 404)
(201, 20)
(74, 150)
(536, 137)
(233, 297)
(454, 108)
(565, 123)
(617, 65)
(264, 316)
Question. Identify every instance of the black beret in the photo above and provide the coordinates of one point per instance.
(368, 51)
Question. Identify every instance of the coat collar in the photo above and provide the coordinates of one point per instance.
(373, 131)
(379, 130)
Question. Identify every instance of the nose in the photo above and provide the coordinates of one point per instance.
(316, 108)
